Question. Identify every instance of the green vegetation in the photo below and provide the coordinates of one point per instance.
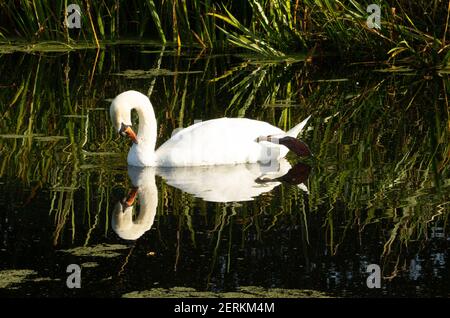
(13, 278)
(180, 22)
(101, 250)
(9, 278)
(411, 32)
(242, 292)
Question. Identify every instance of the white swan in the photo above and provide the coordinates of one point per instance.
(213, 142)
(227, 183)
(231, 183)
(144, 187)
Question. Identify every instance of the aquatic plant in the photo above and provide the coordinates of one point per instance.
(381, 156)
(412, 33)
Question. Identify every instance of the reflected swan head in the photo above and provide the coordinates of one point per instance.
(122, 222)
(126, 221)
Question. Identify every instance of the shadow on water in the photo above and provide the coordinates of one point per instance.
(377, 190)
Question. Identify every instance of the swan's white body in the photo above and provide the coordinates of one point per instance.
(231, 183)
(220, 141)
(225, 183)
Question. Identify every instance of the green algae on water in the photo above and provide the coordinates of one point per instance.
(89, 264)
(11, 277)
(101, 250)
(241, 292)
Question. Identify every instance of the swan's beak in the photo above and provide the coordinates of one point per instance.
(128, 131)
(129, 200)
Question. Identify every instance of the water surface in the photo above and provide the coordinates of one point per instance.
(376, 192)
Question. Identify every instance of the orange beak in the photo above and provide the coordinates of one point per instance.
(131, 197)
(130, 133)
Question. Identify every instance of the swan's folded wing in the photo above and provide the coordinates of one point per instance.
(216, 142)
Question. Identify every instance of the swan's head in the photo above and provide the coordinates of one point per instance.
(123, 221)
(120, 112)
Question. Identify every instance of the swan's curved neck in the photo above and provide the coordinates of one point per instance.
(146, 191)
(147, 132)
(148, 197)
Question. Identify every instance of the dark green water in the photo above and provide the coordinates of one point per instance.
(378, 188)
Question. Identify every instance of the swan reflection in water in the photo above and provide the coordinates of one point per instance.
(242, 182)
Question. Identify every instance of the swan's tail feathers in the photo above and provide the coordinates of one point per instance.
(297, 129)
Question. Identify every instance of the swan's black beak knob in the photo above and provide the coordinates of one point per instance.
(126, 130)
(129, 200)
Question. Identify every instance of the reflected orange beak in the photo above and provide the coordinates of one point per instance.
(131, 197)
(131, 134)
